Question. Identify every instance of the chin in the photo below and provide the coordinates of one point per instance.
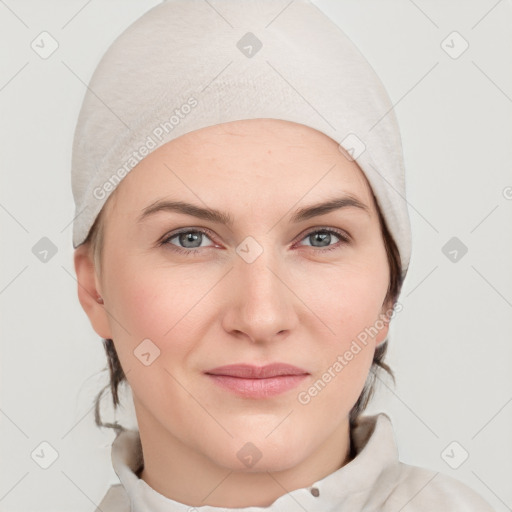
(253, 457)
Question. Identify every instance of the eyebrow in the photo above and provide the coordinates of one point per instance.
(220, 217)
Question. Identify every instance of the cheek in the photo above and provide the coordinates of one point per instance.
(164, 304)
(349, 307)
(349, 297)
(348, 300)
(156, 304)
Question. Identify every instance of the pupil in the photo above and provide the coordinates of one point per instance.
(189, 237)
(323, 237)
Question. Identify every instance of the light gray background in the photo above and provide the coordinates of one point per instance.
(451, 345)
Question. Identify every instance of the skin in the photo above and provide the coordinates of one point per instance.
(296, 303)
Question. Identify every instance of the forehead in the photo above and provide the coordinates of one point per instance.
(275, 133)
(255, 160)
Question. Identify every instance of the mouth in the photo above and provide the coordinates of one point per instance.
(251, 381)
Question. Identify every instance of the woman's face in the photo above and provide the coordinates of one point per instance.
(267, 287)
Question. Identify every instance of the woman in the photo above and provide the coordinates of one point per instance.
(241, 240)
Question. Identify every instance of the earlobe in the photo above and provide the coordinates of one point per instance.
(383, 333)
(88, 294)
(383, 326)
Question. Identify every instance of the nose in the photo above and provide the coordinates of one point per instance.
(261, 304)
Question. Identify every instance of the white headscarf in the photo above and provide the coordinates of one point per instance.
(190, 64)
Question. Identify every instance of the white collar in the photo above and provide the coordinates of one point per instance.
(376, 459)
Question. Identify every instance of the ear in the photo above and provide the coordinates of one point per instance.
(88, 291)
(383, 321)
(381, 337)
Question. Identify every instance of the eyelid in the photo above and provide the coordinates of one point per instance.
(342, 234)
(191, 229)
(345, 238)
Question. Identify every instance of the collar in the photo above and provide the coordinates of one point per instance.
(372, 468)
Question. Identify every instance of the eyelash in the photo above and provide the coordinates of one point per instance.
(188, 252)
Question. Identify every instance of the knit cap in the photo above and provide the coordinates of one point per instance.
(189, 64)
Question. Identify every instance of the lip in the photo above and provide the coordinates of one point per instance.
(249, 371)
(257, 381)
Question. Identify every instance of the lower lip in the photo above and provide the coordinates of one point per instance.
(258, 388)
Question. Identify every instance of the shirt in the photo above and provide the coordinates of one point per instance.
(374, 480)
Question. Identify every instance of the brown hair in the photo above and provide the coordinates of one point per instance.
(117, 376)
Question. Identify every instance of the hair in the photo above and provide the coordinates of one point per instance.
(117, 376)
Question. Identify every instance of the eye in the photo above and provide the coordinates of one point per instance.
(323, 237)
(190, 239)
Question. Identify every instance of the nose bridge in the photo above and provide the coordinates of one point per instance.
(261, 304)
(256, 267)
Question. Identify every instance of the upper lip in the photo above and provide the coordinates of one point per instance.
(249, 371)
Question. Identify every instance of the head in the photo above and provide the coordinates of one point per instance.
(303, 296)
